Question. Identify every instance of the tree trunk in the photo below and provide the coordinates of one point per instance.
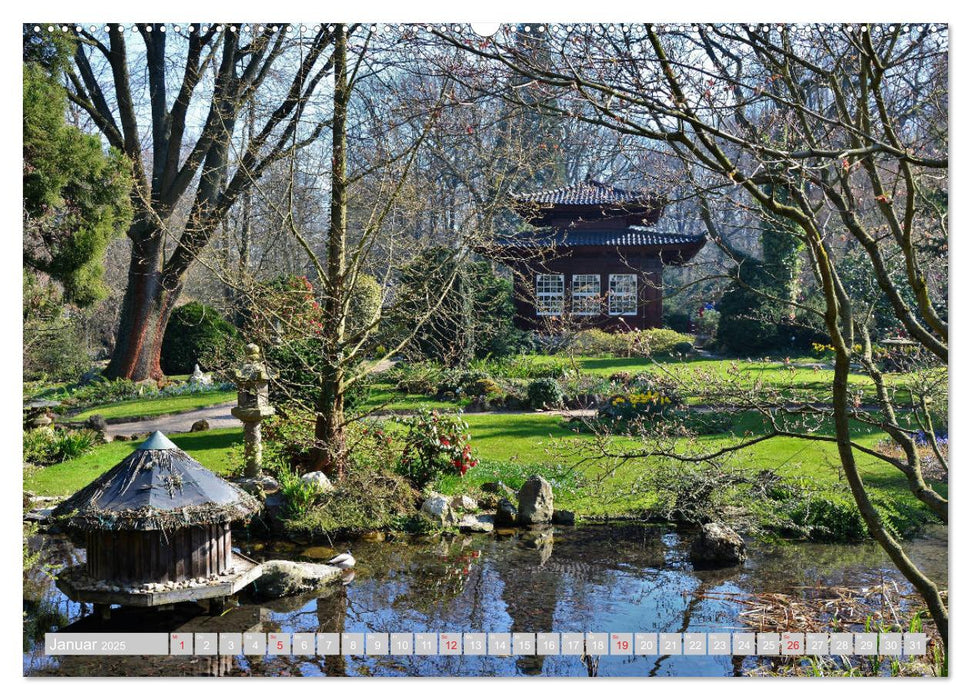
(145, 311)
(329, 451)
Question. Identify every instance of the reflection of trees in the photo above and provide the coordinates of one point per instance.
(530, 592)
(331, 617)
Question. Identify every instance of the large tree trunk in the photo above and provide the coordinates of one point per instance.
(145, 310)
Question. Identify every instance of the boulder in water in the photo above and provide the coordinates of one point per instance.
(535, 501)
(436, 507)
(285, 578)
(717, 546)
(506, 513)
(476, 523)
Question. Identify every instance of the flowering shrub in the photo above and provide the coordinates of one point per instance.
(646, 397)
(434, 443)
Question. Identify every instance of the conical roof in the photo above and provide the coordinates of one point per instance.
(157, 487)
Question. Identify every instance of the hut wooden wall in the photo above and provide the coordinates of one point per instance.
(144, 556)
(593, 261)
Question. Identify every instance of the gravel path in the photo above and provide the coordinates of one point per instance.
(219, 416)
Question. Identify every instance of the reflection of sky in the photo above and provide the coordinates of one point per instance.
(588, 579)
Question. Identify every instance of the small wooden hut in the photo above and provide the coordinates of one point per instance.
(157, 522)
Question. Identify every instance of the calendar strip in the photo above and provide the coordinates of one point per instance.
(488, 644)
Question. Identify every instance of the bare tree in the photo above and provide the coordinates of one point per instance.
(839, 131)
(180, 161)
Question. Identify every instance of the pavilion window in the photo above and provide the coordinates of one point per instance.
(549, 295)
(586, 295)
(622, 299)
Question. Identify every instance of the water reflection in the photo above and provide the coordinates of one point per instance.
(618, 578)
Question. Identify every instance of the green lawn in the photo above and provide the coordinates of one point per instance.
(511, 446)
(157, 406)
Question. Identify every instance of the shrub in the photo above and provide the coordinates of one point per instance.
(652, 342)
(748, 321)
(679, 321)
(44, 447)
(683, 348)
(544, 393)
(196, 334)
(462, 382)
(434, 444)
(298, 494)
(636, 405)
(474, 319)
(828, 518)
(487, 387)
(364, 500)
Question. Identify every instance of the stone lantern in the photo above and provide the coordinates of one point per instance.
(252, 406)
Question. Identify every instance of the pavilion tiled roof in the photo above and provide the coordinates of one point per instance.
(632, 236)
(590, 192)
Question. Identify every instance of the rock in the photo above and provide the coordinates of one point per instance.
(149, 385)
(513, 403)
(476, 523)
(535, 501)
(437, 508)
(259, 486)
(199, 426)
(39, 515)
(97, 423)
(285, 578)
(499, 488)
(478, 405)
(121, 438)
(41, 420)
(274, 511)
(717, 546)
(506, 513)
(564, 517)
(464, 503)
(319, 480)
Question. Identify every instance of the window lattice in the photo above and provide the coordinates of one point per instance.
(549, 295)
(586, 295)
(622, 300)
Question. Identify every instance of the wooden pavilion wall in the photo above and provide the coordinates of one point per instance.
(142, 556)
(598, 262)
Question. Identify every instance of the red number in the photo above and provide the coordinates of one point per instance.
(181, 645)
(792, 644)
(623, 645)
(451, 645)
(279, 645)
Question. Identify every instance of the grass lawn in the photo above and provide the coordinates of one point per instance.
(383, 397)
(212, 449)
(148, 407)
(511, 447)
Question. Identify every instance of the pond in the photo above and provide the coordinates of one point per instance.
(601, 578)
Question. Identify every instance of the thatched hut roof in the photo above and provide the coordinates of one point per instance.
(157, 487)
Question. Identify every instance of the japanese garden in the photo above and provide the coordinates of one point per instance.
(351, 328)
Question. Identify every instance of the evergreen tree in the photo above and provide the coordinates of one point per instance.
(76, 197)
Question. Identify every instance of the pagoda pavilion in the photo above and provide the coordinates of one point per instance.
(592, 255)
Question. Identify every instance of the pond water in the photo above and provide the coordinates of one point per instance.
(592, 578)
